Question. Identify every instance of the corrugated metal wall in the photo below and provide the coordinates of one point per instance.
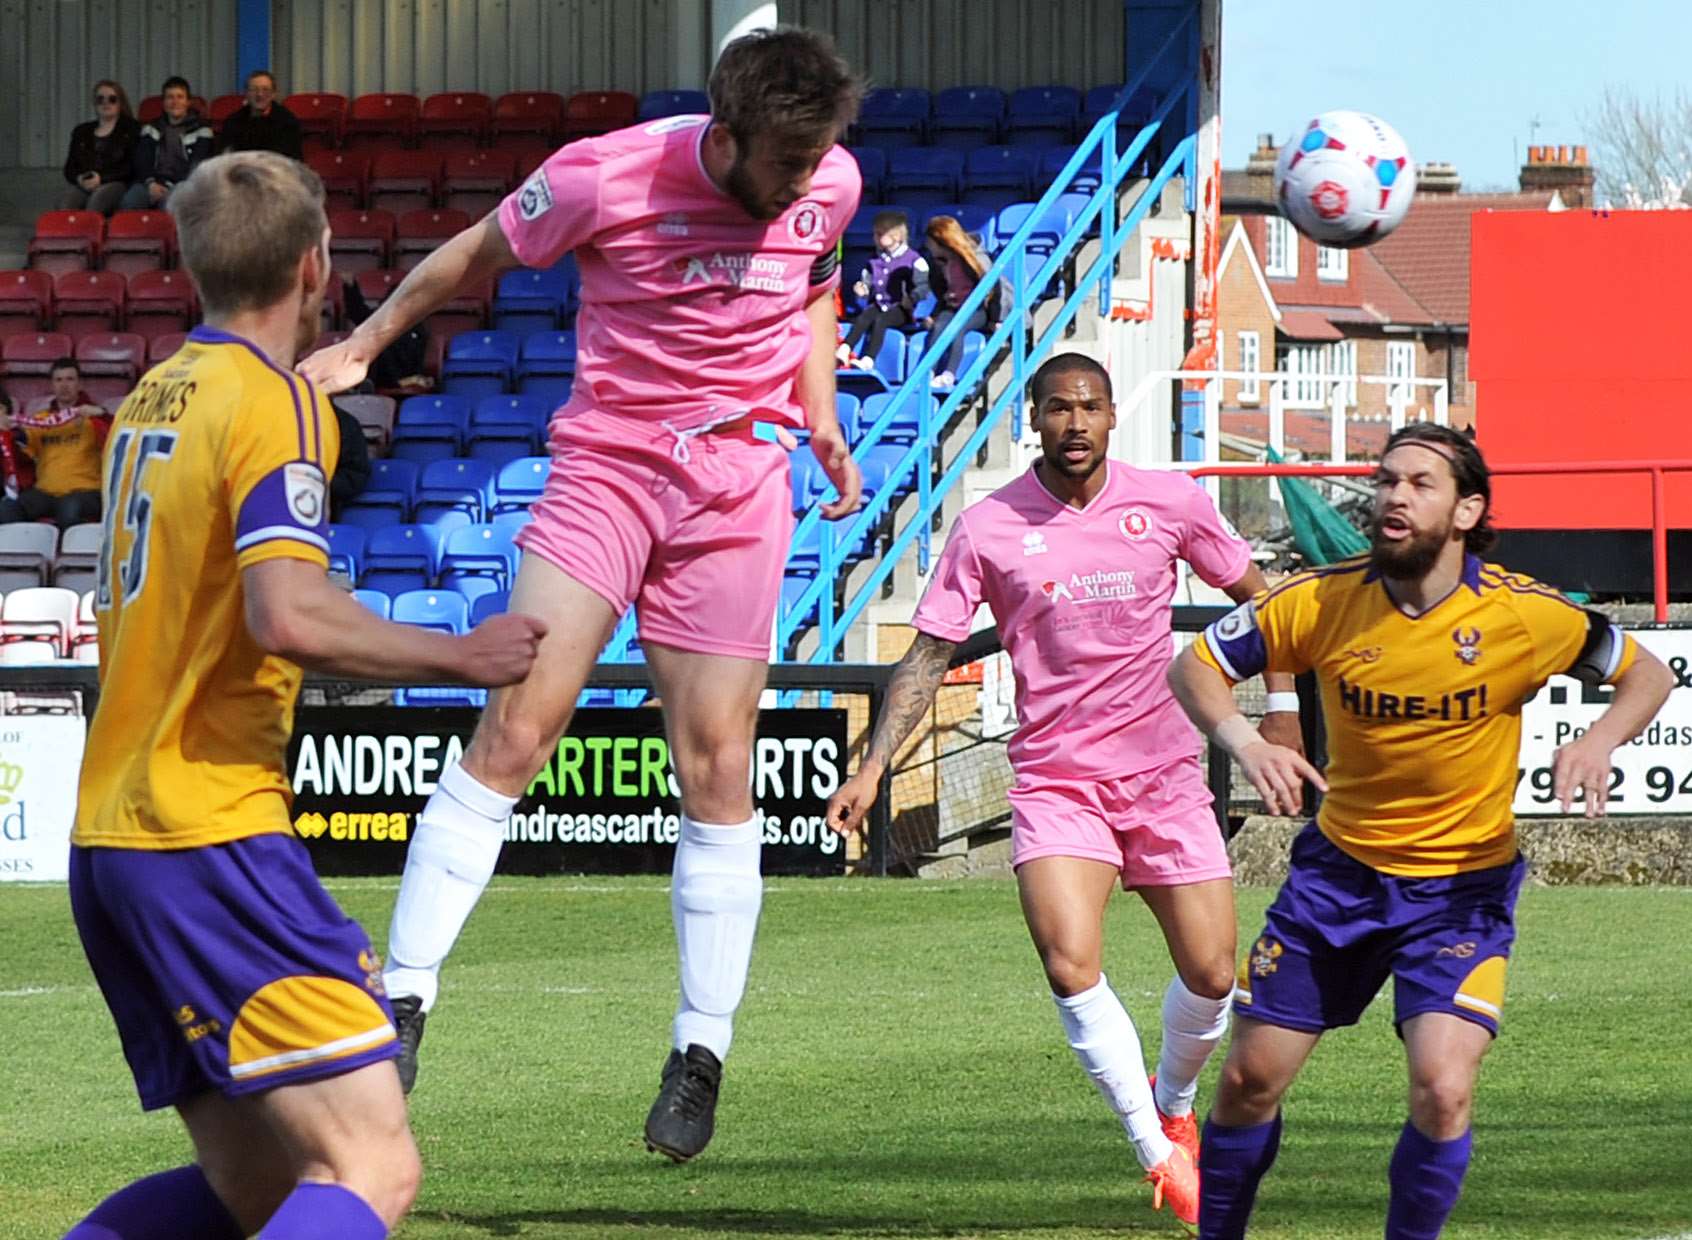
(53, 51)
(423, 46)
(1004, 43)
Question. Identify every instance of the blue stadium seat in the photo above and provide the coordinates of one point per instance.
(974, 342)
(1086, 181)
(370, 518)
(490, 604)
(472, 588)
(920, 175)
(877, 466)
(892, 118)
(1002, 170)
(400, 558)
(547, 355)
(479, 363)
(974, 220)
(457, 485)
(804, 557)
(791, 588)
(906, 426)
(375, 601)
(860, 231)
(846, 408)
(480, 551)
(657, 104)
(889, 370)
(532, 300)
(505, 427)
(872, 167)
(346, 548)
(392, 485)
(520, 483)
(1046, 233)
(445, 610)
(1043, 114)
(431, 419)
(967, 116)
(805, 473)
(512, 521)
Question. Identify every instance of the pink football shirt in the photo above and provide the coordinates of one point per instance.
(1082, 598)
(691, 309)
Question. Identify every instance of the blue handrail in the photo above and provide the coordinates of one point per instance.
(1012, 261)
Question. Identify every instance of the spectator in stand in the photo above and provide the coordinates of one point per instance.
(352, 466)
(102, 153)
(262, 124)
(63, 434)
(959, 266)
(895, 280)
(15, 473)
(170, 148)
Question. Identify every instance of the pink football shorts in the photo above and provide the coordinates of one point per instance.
(1156, 826)
(694, 530)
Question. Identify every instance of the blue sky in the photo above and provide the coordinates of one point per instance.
(1460, 79)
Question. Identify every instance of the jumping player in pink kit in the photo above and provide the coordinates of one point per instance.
(707, 249)
(1076, 558)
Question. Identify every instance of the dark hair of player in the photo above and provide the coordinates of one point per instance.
(1063, 364)
(244, 220)
(786, 81)
(1468, 467)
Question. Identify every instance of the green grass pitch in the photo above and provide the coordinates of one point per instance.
(898, 1071)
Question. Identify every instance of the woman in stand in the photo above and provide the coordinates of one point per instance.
(101, 153)
(957, 265)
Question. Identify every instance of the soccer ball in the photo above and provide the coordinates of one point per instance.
(1346, 180)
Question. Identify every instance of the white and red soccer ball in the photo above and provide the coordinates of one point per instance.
(1346, 179)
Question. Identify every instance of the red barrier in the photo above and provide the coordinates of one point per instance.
(1656, 470)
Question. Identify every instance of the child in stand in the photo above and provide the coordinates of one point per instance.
(894, 282)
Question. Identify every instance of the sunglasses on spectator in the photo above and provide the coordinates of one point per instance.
(105, 98)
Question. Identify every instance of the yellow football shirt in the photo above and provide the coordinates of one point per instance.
(1423, 713)
(217, 461)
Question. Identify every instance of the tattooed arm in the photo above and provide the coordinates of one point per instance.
(910, 696)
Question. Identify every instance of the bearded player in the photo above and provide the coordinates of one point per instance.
(1424, 653)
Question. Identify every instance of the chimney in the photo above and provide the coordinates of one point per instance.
(1564, 169)
(1260, 168)
(1438, 179)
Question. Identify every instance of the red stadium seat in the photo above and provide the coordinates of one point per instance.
(536, 113)
(476, 181)
(597, 111)
(455, 120)
(26, 301)
(163, 345)
(402, 181)
(467, 312)
(382, 119)
(321, 115)
(139, 241)
(225, 106)
(67, 240)
(346, 177)
(334, 302)
(422, 232)
(374, 286)
(26, 363)
(160, 303)
(360, 240)
(111, 363)
(530, 158)
(89, 302)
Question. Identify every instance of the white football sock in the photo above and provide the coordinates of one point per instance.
(715, 893)
(1104, 1039)
(1192, 1028)
(452, 856)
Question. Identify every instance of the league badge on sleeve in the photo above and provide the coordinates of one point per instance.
(535, 198)
(304, 486)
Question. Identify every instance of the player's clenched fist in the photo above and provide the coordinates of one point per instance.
(500, 650)
(849, 804)
(336, 368)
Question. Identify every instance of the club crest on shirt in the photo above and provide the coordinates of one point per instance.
(806, 221)
(302, 483)
(1468, 645)
(535, 198)
(1135, 524)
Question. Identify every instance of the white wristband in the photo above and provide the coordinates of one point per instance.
(1281, 702)
(1234, 734)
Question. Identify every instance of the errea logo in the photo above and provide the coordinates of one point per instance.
(1034, 543)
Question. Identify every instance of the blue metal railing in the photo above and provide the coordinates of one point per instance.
(834, 539)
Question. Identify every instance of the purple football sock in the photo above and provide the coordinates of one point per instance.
(160, 1207)
(1426, 1177)
(1231, 1163)
(313, 1211)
